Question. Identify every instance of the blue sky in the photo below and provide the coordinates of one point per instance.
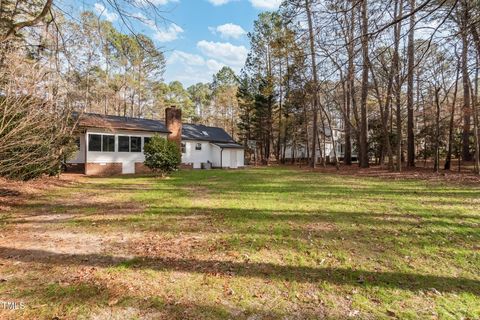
(198, 37)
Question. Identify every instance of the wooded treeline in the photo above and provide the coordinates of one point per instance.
(397, 79)
(392, 82)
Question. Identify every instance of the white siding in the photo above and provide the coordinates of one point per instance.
(208, 153)
(112, 157)
(300, 152)
(227, 155)
(226, 158)
(197, 157)
(216, 155)
(212, 154)
(79, 156)
(233, 158)
(240, 158)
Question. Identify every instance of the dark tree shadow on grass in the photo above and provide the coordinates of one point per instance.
(4, 192)
(291, 225)
(339, 276)
(76, 296)
(440, 218)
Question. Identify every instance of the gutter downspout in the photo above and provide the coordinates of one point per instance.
(86, 153)
(221, 158)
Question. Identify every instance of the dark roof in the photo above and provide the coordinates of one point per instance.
(204, 133)
(229, 145)
(93, 120)
(189, 132)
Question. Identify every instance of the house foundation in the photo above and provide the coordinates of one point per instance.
(103, 169)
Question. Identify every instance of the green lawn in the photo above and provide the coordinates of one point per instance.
(248, 244)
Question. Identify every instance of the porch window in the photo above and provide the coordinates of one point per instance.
(108, 143)
(101, 143)
(135, 144)
(95, 142)
(123, 144)
(183, 147)
(198, 146)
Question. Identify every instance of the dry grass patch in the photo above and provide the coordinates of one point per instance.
(264, 243)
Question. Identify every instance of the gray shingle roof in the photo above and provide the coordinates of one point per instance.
(204, 133)
(93, 120)
(189, 132)
(229, 145)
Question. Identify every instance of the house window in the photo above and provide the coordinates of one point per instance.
(108, 143)
(99, 143)
(146, 140)
(123, 144)
(198, 146)
(135, 144)
(95, 142)
(184, 147)
(77, 142)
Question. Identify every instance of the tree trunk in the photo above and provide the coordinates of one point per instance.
(350, 98)
(466, 91)
(476, 164)
(476, 39)
(305, 120)
(398, 89)
(436, 165)
(384, 111)
(329, 122)
(448, 160)
(320, 153)
(364, 163)
(411, 66)
(13, 28)
(477, 138)
(315, 83)
(279, 138)
(323, 160)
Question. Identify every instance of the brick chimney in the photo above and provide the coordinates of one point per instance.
(173, 121)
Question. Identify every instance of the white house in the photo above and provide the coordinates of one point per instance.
(203, 144)
(114, 144)
(299, 151)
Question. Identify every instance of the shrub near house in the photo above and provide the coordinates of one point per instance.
(162, 155)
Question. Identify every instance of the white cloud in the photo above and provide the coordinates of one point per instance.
(266, 4)
(171, 33)
(186, 58)
(168, 33)
(225, 52)
(154, 2)
(230, 30)
(146, 21)
(190, 68)
(214, 65)
(103, 12)
(219, 2)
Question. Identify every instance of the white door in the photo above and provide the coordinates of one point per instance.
(128, 167)
(233, 159)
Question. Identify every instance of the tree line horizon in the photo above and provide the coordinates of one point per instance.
(398, 78)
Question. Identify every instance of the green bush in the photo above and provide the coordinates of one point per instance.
(162, 155)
